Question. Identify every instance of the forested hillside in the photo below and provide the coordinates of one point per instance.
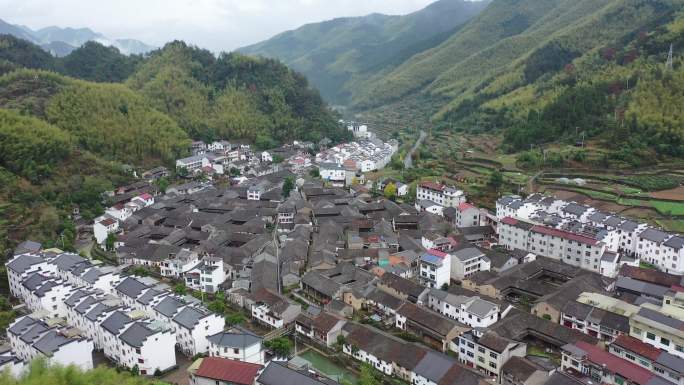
(546, 71)
(338, 55)
(92, 61)
(64, 140)
(233, 96)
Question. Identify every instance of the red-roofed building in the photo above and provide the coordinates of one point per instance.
(586, 361)
(568, 247)
(222, 371)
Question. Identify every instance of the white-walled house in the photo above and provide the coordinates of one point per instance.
(333, 173)
(468, 261)
(31, 339)
(486, 351)
(435, 268)
(20, 267)
(471, 311)
(206, 276)
(178, 264)
(192, 164)
(103, 227)
(193, 327)
(240, 346)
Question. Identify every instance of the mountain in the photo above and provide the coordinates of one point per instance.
(58, 48)
(541, 72)
(92, 61)
(339, 55)
(61, 41)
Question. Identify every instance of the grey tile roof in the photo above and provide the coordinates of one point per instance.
(22, 325)
(75, 297)
(671, 361)
(661, 318)
(276, 374)
(189, 317)
(234, 340)
(136, 334)
(116, 322)
(67, 260)
(83, 307)
(33, 332)
(654, 235)
(92, 275)
(469, 253)
(481, 307)
(675, 242)
(169, 306)
(628, 226)
(131, 287)
(149, 295)
(45, 288)
(34, 281)
(96, 311)
(50, 342)
(23, 262)
(434, 366)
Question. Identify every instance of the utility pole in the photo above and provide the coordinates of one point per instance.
(275, 245)
(670, 61)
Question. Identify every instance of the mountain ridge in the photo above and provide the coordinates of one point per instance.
(339, 54)
(61, 41)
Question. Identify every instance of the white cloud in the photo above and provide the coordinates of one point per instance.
(214, 24)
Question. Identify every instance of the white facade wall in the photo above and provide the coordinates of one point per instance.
(363, 356)
(253, 354)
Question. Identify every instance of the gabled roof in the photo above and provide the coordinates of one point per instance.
(116, 322)
(136, 334)
(189, 317)
(23, 262)
(230, 371)
(169, 306)
(234, 340)
(131, 287)
(277, 374)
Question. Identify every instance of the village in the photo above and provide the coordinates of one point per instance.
(291, 266)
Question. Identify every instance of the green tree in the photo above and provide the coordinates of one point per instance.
(235, 319)
(496, 180)
(390, 191)
(180, 289)
(162, 184)
(109, 242)
(277, 159)
(315, 173)
(281, 346)
(288, 186)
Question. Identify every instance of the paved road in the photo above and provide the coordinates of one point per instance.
(408, 160)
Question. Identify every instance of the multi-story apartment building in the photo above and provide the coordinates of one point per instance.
(468, 261)
(487, 351)
(619, 235)
(588, 362)
(435, 269)
(657, 361)
(659, 330)
(193, 327)
(571, 248)
(442, 195)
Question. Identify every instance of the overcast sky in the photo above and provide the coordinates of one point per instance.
(214, 24)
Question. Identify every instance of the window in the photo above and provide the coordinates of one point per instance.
(664, 341)
(493, 355)
(650, 336)
(480, 349)
(492, 365)
(630, 357)
(236, 351)
(480, 359)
